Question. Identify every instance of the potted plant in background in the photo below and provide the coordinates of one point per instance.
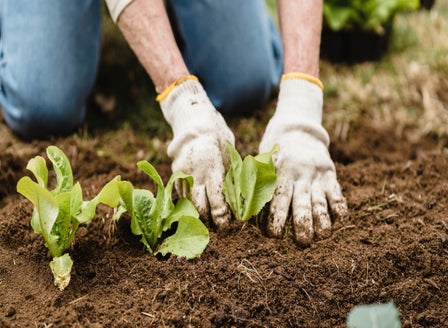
(359, 30)
(427, 4)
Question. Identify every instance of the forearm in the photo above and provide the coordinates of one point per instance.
(301, 26)
(146, 27)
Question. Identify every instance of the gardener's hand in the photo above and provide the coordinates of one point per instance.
(198, 146)
(306, 175)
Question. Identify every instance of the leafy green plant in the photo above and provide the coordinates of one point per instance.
(58, 213)
(371, 15)
(249, 183)
(152, 217)
(374, 316)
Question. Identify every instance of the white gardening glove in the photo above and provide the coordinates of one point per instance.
(306, 175)
(199, 146)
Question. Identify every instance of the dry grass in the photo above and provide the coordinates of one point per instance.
(407, 89)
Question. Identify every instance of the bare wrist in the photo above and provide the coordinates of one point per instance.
(146, 27)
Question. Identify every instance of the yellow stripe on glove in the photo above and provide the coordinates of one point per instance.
(304, 76)
(162, 96)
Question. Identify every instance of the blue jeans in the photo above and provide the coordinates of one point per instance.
(233, 47)
(49, 52)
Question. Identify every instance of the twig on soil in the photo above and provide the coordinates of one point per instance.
(337, 266)
(414, 299)
(421, 222)
(432, 283)
(250, 272)
(78, 299)
(279, 254)
(130, 271)
(307, 281)
(346, 228)
(146, 314)
(311, 301)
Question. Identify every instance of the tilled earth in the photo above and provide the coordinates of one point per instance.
(392, 246)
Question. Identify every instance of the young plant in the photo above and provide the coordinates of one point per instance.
(366, 15)
(152, 216)
(249, 183)
(374, 316)
(58, 213)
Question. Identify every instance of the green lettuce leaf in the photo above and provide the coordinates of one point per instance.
(249, 183)
(46, 209)
(38, 167)
(58, 213)
(371, 15)
(151, 216)
(374, 316)
(62, 168)
(189, 240)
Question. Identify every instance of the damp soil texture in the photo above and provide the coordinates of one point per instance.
(391, 247)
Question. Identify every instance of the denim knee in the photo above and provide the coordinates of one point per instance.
(49, 54)
(233, 47)
(32, 112)
(245, 92)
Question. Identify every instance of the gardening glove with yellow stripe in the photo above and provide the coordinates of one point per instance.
(306, 175)
(199, 146)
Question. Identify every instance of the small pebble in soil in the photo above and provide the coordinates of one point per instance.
(11, 312)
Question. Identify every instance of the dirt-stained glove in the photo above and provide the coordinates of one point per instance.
(306, 175)
(199, 146)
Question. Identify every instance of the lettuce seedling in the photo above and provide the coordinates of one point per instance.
(249, 183)
(58, 213)
(152, 217)
(374, 315)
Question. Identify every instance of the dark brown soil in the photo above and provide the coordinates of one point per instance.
(392, 246)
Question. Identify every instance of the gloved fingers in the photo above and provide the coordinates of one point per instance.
(302, 213)
(218, 207)
(279, 209)
(199, 199)
(336, 201)
(230, 136)
(321, 217)
(266, 144)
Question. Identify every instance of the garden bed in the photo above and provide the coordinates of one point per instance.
(392, 246)
(387, 123)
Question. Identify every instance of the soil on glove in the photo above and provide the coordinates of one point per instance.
(392, 247)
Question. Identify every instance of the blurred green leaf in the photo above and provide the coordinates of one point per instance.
(374, 316)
